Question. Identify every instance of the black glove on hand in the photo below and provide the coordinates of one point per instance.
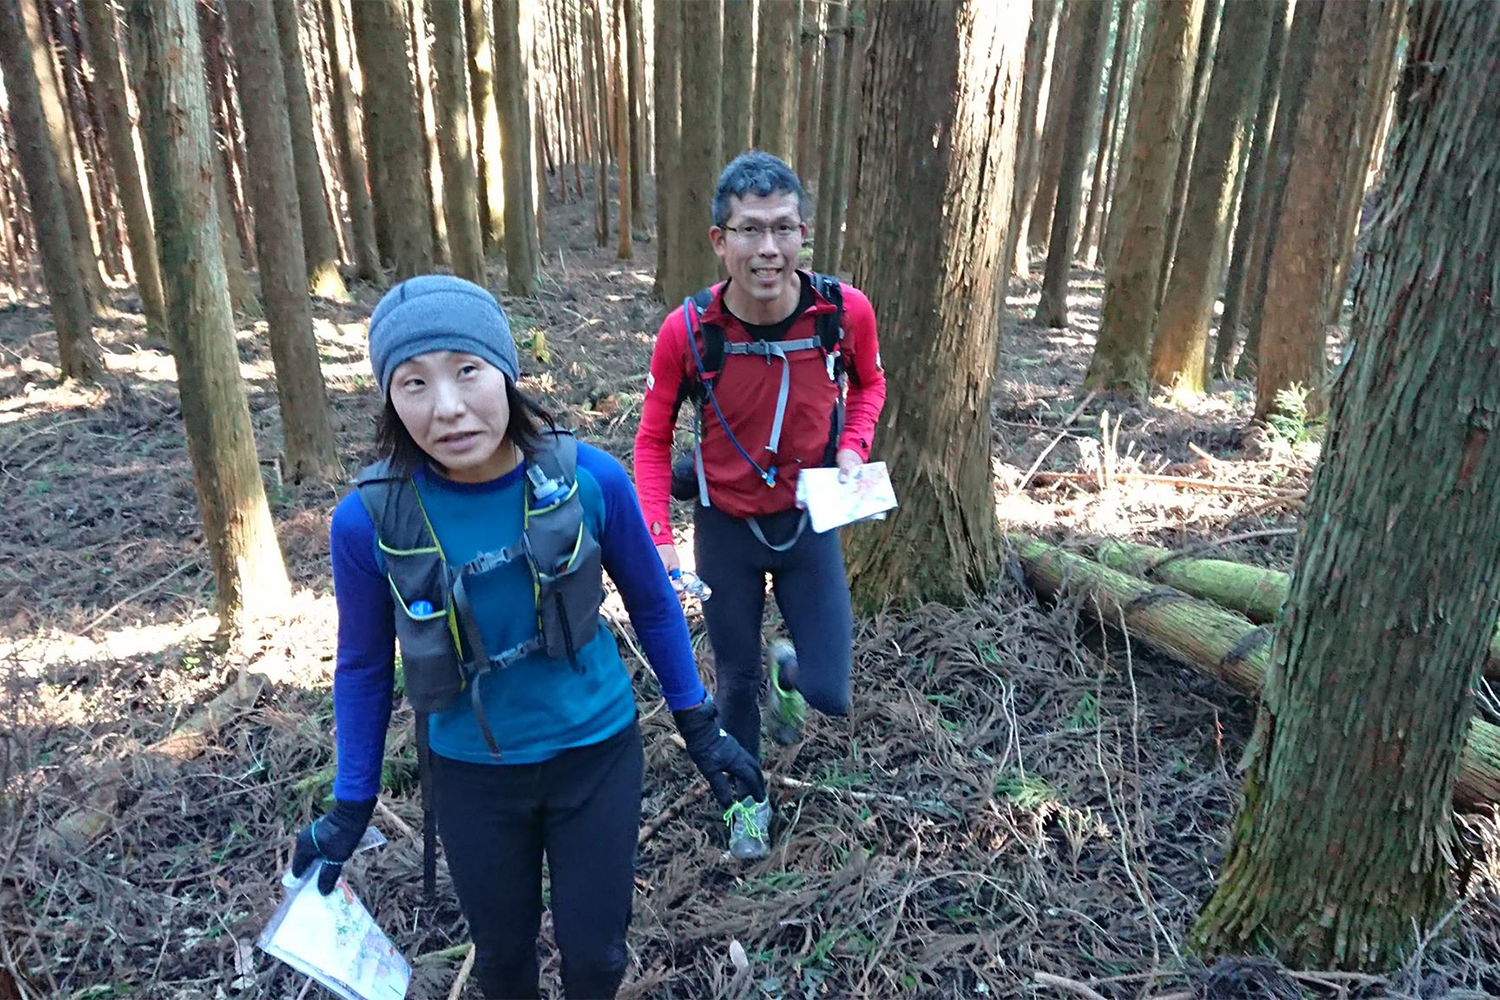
(717, 754)
(331, 838)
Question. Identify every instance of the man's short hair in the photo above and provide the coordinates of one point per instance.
(759, 173)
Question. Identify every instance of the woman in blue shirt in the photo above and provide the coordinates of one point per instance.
(540, 753)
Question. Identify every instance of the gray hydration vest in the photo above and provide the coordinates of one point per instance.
(442, 647)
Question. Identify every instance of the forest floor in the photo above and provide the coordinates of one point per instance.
(1013, 791)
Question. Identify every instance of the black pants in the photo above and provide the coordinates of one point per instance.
(812, 592)
(582, 809)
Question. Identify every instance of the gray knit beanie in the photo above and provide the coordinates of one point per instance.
(439, 312)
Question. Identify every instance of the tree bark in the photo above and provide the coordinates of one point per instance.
(856, 41)
(1256, 592)
(461, 198)
(1207, 36)
(943, 77)
(79, 355)
(1302, 42)
(312, 208)
(1121, 186)
(739, 76)
(522, 252)
(833, 111)
(351, 144)
(1052, 305)
(394, 134)
(603, 109)
(120, 143)
(486, 124)
(635, 56)
(1341, 853)
(248, 569)
(623, 153)
(694, 264)
(665, 66)
(1041, 41)
(1300, 264)
(1376, 83)
(775, 75)
(1088, 237)
(1129, 314)
(60, 135)
(1070, 21)
(807, 90)
(243, 298)
(1232, 650)
(420, 37)
(1179, 355)
(305, 418)
(1248, 220)
(94, 176)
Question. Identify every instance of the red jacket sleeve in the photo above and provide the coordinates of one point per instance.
(653, 439)
(866, 376)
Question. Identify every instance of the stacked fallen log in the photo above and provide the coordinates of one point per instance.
(1221, 643)
(1254, 591)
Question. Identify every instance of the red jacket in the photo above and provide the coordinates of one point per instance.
(746, 390)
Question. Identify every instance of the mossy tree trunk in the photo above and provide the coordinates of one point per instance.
(248, 570)
(1341, 852)
(945, 77)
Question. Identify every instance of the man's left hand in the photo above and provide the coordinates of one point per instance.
(847, 461)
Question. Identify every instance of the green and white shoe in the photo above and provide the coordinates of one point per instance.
(749, 828)
(788, 707)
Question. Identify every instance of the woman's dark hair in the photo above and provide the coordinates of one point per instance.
(527, 420)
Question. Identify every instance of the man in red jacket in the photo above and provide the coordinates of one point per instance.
(783, 369)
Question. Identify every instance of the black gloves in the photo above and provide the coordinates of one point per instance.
(331, 838)
(718, 755)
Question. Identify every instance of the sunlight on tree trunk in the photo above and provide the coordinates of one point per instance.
(461, 200)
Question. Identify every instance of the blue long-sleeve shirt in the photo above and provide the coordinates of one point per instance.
(538, 706)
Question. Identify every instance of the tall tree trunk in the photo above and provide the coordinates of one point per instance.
(225, 118)
(1202, 64)
(1088, 237)
(1376, 83)
(739, 76)
(1070, 24)
(486, 124)
(1114, 223)
(1302, 41)
(1250, 198)
(79, 355)
(599, 98)
(248, 570)
(312, 208)
(775, 75)
(120, 142)
(666, 26)
(856, 38)
(419, 35)
(522, 250)
(1052, 305)
(949, 72)
(634, 48)
(93, 179)
(243, 298)
(1041, 40)
(307, 429)
(1180, 352)
(60, 135)
(1341, 852)
(833, 111)
(351, 144)
(807, 89)
(461, 201)
(623, 153)
(693, 262)
(1129, 314)
(394, 133)
(1300, 264)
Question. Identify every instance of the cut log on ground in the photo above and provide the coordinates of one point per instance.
(1218, 642)
(1254, 591)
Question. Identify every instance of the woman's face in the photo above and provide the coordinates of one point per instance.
(454, 407)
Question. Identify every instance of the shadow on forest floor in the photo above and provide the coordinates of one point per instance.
(1012, 792)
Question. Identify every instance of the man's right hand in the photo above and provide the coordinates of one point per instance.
(668, 555)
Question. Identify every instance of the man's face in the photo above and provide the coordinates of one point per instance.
(759, 244)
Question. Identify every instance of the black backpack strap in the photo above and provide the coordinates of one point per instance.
(830, 325)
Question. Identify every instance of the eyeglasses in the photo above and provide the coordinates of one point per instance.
(785, 232)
